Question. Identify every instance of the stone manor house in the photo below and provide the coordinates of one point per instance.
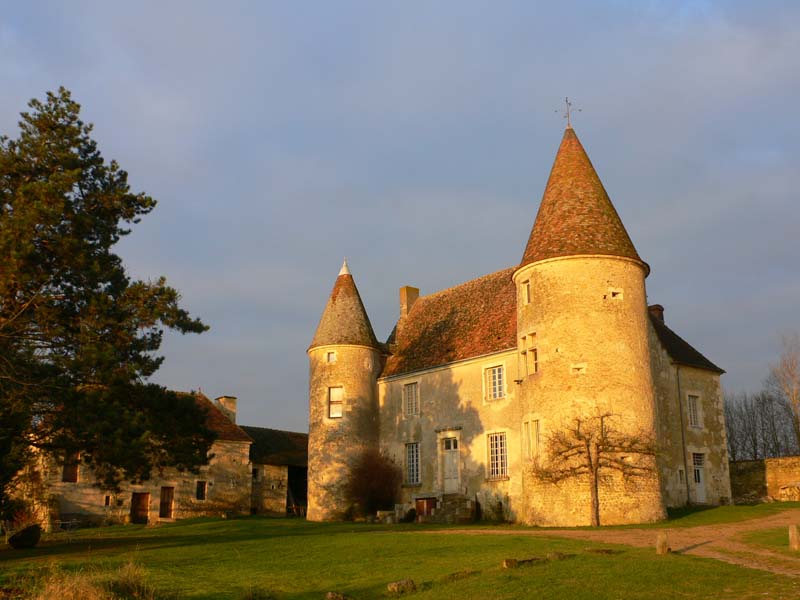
(475, 379)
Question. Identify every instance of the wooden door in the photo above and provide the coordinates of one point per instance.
(425, 506)
(165, 508)
(450, 465)
(140, 508)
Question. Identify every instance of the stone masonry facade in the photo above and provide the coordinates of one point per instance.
(474, 380)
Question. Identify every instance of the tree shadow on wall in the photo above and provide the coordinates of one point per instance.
(450, 405)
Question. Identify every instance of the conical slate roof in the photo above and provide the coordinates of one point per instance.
(344, 320)
(576, 215)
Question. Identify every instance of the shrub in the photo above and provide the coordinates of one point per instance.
(410, 516)
(27, 537)
(74, 586)
(373, 483)
(129, 582)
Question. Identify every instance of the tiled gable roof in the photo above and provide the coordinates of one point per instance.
(475, 318)
(217, 422)
(344, 320)
(576, 215)
(276, 447)
(679, 349)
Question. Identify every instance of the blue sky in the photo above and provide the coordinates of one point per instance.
(415, 138)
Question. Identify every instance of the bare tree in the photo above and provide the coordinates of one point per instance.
(785, 377)
(590, 449)
(759, 425)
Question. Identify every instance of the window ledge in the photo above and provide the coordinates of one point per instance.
(411, 485)
(499, 478)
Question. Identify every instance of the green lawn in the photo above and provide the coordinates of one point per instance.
(294, 559)
(775, 539)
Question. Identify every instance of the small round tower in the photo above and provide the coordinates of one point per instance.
(583, 338)
(344, 363)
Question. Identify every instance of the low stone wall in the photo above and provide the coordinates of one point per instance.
(775, 478)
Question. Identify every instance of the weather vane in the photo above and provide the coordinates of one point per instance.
(567, 114)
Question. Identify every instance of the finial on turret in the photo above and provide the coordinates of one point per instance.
(345, 270)
(567, 114)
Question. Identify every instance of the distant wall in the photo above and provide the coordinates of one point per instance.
(270, 485)
(766, 477)
(227, 479)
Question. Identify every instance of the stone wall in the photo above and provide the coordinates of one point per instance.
(269, 490)
(453, 404)
(227, 490)
(589, 316)
(759, 478)
(334, 443)
(679, 440)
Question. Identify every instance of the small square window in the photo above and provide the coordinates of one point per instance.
(335, 402)
(495, 383)
(411, 398)
(526, 292)
(202, 490)
(330, 357)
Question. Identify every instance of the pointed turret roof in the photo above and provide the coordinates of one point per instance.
(344, 320)
(576, 215)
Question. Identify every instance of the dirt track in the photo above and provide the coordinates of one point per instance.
(713, 541)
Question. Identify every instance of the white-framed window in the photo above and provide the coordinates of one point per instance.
(412, 463)
(411, 398)
(693, 410)
(495, 383)
(526, 292)
(330, 357)
(335, 402)
(498, 455)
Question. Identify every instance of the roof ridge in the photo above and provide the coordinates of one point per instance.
(463, 283)
(272, 429)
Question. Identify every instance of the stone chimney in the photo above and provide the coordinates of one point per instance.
(408, 295)
(227, 404)
(657, 311)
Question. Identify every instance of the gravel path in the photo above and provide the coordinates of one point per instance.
(712, 541)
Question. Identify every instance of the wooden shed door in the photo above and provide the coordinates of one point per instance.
(425, 506)
(140, 508)
(165, 509)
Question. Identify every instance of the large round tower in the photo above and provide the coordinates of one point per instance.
(583, 341)
(344, 363)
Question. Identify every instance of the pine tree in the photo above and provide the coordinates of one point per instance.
(78, 337)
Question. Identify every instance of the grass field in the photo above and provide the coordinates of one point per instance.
(293, 559)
